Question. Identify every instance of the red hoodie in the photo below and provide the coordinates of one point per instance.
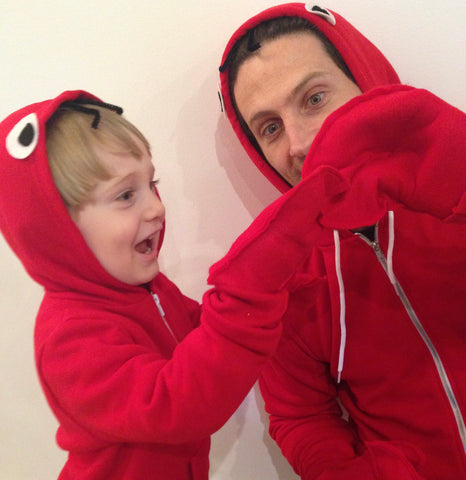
(137, 389)
(376, 325)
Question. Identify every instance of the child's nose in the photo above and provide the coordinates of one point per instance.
(154, 207)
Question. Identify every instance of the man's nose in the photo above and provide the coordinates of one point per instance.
(300, 137)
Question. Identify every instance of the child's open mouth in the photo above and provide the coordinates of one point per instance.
(145, 247)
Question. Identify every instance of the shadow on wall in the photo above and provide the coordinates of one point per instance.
(255, 192)
(213, 144)
(253, 189)
(225, 191)
(283, 468)
(220, 190)
(243, 449)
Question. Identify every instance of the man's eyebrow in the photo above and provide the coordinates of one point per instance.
(303, 83)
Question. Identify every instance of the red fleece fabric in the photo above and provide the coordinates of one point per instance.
(371, 155)
(393, 148)
(400, 148)
(133, 400)
(399, 143)
(367, 64)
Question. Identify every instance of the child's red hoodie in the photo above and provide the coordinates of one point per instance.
(137, 377)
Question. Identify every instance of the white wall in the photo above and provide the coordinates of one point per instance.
(159, 61)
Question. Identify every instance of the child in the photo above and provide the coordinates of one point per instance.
(376, 322)
(137, 377)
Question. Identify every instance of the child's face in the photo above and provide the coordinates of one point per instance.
(284, 92)
(123, 219)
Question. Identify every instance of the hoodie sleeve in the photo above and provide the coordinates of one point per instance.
(398, 147)
(115, 383)
(307, 424)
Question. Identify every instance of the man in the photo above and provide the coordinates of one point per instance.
(374, 325)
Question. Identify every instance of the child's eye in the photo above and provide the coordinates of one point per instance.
(153, 184)
(125, 196)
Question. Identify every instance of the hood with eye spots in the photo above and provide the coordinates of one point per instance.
(33, 217)
(367, 64)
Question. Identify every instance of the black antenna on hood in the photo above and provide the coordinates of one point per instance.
(252, 47)
(79, 104)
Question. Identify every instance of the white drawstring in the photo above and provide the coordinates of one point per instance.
(341, 286)
(341, 356)
(391, 243)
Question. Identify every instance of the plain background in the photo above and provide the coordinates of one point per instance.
(159, 60)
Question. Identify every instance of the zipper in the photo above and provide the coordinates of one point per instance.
(162, 314)
(425, 337)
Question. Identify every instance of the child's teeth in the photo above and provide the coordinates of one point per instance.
(149, 246)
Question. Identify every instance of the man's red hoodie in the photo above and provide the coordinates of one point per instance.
(375, 324)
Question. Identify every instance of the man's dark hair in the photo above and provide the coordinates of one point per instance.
(271, 30)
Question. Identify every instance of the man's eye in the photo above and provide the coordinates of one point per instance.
(315, 99)
(270, 129)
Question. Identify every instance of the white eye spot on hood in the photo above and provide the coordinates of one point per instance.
(321, 12)
(23, 137)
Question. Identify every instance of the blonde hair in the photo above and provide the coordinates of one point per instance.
(71, 149)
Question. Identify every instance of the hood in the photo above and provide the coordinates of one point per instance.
(367, 64)
(33, 217)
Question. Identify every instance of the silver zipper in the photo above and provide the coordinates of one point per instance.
(425, 337)
(162, 314)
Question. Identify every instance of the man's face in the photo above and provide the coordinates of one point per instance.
(123, 219)
(284, 92)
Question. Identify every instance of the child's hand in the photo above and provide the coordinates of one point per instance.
(267, 254)
(396, 146)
